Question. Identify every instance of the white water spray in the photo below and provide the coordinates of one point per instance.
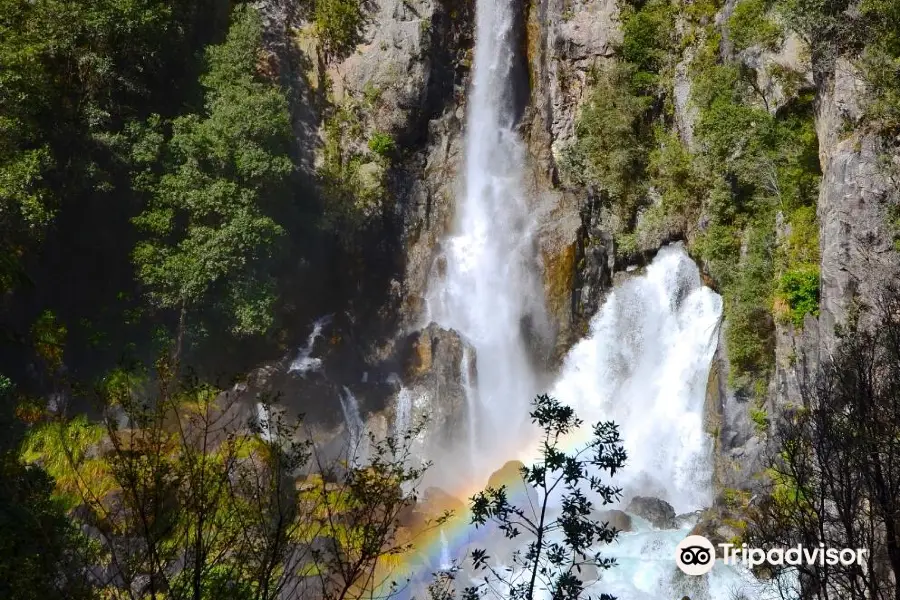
(403, 412)
(305, 362)
(645, 365)
(446, 561)
(264, 419)
(490, 292)
(356, 429)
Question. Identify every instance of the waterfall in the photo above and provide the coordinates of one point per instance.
(645, 365)
(490, 292)
(446, 561)
(305, 362)
(356, 429)
(471, 406)
(264, 418)
(403, 412)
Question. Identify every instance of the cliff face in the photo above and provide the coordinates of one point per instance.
(378, 133)
(568, 41)
(858, 254)
(408, 78)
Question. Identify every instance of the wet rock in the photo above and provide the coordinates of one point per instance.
(685, 519)
(587, 573)
(659, 512)
(616, 518)
(438, 364)
(518, 491)
(719, 525)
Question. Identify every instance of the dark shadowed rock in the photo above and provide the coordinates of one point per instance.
(659, 512)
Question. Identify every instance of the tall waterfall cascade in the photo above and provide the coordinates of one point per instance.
(644, 363)
(490, 287)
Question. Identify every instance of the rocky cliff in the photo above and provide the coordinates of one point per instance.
(406, 82)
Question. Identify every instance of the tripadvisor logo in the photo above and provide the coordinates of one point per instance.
(696, 555)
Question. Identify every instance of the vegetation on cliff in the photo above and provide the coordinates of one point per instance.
(832, 472)
(742, 192)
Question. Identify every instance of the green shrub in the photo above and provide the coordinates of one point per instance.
(760, 419)
(340, 25)
(382, 144)
(748, 300)
(648, 40)
(800, 289)
(749, 25)
(802, 243)
(611, 143)
(673, 174)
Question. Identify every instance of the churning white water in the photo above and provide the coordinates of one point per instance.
(645, 365)
(489, 291)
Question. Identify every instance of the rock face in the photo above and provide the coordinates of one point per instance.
(659, 512)
(411, 72)
(856, 247)
(565, 41)
(573, 39)
(738, 446)
(438, 365)
(616, 518)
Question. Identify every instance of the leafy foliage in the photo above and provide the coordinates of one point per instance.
(382, 144)
(761, 164)
(340, 25)
(610, 148)
(43, 556)
(210, 225)
(648, 41)
(67, 73)
(185, 499)
(750, 25)
(559, 546)
(832, 464)
(800, 287)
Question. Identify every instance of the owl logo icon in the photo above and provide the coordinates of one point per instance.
(695, 555)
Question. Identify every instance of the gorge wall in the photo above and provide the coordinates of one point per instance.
(393, 111)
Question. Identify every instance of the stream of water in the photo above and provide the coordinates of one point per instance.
(490, 292)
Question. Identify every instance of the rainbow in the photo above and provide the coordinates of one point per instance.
(458, 536)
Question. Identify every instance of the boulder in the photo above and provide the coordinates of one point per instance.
(438, 367)
(659, 512)
(517, 491)
(686, 519)
(615, 518)
(436, 502)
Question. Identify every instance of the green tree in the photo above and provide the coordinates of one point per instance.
(43, 556)
(611, 145)
(340, 25)
(70, 72)
(187, 499)
(211, 223)
(559, 546)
